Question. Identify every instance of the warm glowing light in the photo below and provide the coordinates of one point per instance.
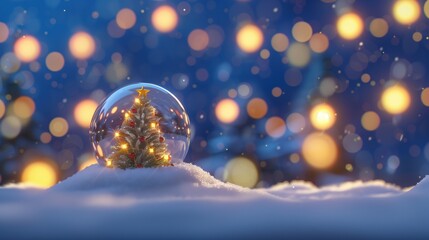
(370, 121)
(82, 45)
(279, 42)
(45, 137)
(10, 127)
(23, 107)
(198, 40)
(151, 150)
(27, 48)
(40, 173)
(249, 38)
(54, 61)
(164, 19)
(227, 111)
(424, 97)
(4, 32)
(302, 31)
(108, 163)
(152, 125)
(58, 127)
(426, 8)
(379, 27)
(2, 108)
(83, 112)
(86, 160)
(322, 116)
(124, 146)
(126, 18)
(406, 11)
(116, 134)
(395, 99)
(275, 127)
(319, 43)
(298, 54)
(295, 122)
(350, 26)
(319, 150)
(136, 100)
(241, 171)
(166, 157)
(257, 108)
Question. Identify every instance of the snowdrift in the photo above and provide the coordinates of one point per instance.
(186, 202)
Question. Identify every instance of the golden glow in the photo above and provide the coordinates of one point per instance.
(83, 112)
(241, 171)
(124, 146)
(87, 161)
(153, 125)
(424, 97)
(227, 111)
(406, 11)
(198, 40)
(4, 32)
(116, 134)
(151, 150)
(54, 61)
(100, 151)
(45, 137)
(279, 42)
(125, 18)
(322, 116)
(298, 54)
(426, 8)
(2, 108)
(249, 38)
(257, 108)
(350, 26)
(302, 31)
(379, 27)
(58, 127)
(370, 121)
(27, 48)
(319, 150)
(395, 99)
(319, 43)
(108, 163)
(166, 157)
(164, 19)
(40, 173)
(23, 107)
(275, 127)
(136, 100)
(82, 45)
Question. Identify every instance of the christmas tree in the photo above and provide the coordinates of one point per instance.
(139, 142)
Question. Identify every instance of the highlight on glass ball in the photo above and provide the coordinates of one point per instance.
(140, 126)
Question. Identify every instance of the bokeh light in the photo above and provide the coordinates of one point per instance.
(350, 26)
(370, 121)
(58, 127)
(2, 108)
(424, 97)
(378, 27)
(298, 54)
(40, 173)
(319, 150)
(83, 112)
(395, 99)
(198, 40)
(257, 108)
(10, 127)
(164, 19)
(279, 42)
(249, 38)
(126, 18)
(82, 45)
(295, 122)
(227, 111)
(275, 127)
(302, 31)
(4, 32)
(319, 43)
(27, 48)
(86, 160)
(54, 61)
(352, 143)
(406, 11)
(241, 171)
(322, 116)
(23, 107)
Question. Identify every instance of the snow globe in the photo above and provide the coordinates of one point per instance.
(140, 125)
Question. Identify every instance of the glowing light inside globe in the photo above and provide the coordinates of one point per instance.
(82, 45)
(227, 111)
(164, 19)
(249, 38)
(27, 48)
(40, 173)
(322, 116)
(406, 11)
(350, 26)
(395, 99)
(319, 150)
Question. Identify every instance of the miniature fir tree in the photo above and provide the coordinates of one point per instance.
(139, 142)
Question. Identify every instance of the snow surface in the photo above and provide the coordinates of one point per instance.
(185, 202)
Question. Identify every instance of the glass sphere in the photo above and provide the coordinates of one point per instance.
(174, 122)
